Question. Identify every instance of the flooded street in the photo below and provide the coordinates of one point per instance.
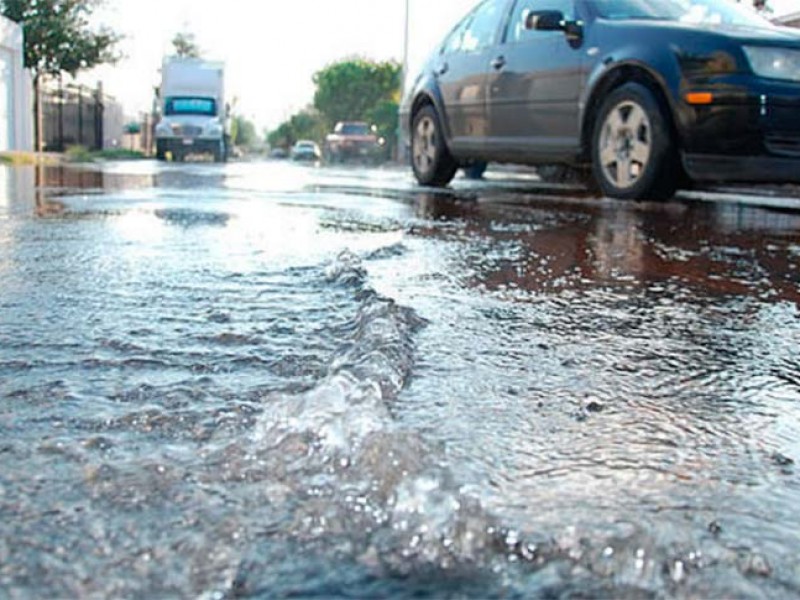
(268, 380)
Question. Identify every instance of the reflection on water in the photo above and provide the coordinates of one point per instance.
(719, 247)
(258, 380)
(17, 189)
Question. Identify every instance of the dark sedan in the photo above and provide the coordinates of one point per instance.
(643, 94)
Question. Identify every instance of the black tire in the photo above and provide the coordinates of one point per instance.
(219, 155)
(475, 170)
(633, 150)
(431, 160)
(161, 151)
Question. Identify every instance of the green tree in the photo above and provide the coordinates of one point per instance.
(243, 132)
(308, 125)
(386, 117)
(761, 6)
(59, 38)
(353, 89)
(305, 125)
(185, 45)
(280, 137)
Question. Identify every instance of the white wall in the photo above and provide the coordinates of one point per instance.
(16, 106)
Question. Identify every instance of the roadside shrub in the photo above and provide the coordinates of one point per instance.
(78, 154)
(18, 159)
(118, 154)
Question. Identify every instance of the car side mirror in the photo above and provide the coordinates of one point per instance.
(545, 20)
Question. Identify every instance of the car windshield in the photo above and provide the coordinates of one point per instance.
(714, 12)
(191, 106)
(353, 129)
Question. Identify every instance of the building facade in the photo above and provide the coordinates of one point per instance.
(16, 98)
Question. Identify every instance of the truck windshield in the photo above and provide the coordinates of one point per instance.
(206, 107)
(714, 12)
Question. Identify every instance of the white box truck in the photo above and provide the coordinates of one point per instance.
(194, 117)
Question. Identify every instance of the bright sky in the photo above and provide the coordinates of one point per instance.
(273, 47)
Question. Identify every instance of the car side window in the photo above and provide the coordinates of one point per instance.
(482, 29)
(453, 42)
(517, 31)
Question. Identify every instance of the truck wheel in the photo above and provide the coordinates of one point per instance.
(430, 158)
(161, 151)
(633, 153)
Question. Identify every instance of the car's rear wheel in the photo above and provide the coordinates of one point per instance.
(430, 158)
(633, 152)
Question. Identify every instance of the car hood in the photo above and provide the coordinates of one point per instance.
(781, 36)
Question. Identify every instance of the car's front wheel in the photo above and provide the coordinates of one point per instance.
(431, 160)
(633, 154)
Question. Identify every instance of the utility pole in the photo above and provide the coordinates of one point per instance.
(405, 42)
(404, 80)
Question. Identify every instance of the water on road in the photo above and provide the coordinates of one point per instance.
(267, 380)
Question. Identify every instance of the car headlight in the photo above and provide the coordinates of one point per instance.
(774, 63)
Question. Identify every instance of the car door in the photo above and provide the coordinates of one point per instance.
(462, 70)
(535, 86)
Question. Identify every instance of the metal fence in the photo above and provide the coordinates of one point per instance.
(72, 116)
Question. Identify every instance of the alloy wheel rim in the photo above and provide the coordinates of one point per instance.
(424, 150)
(625, 144)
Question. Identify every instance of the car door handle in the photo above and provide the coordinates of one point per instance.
(442, 69)
(498, 63)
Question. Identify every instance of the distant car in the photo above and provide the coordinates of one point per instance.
(305, 150)
(644, 95)
(278, 154)
(353, 140)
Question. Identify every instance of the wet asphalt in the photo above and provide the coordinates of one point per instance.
(267, 379)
